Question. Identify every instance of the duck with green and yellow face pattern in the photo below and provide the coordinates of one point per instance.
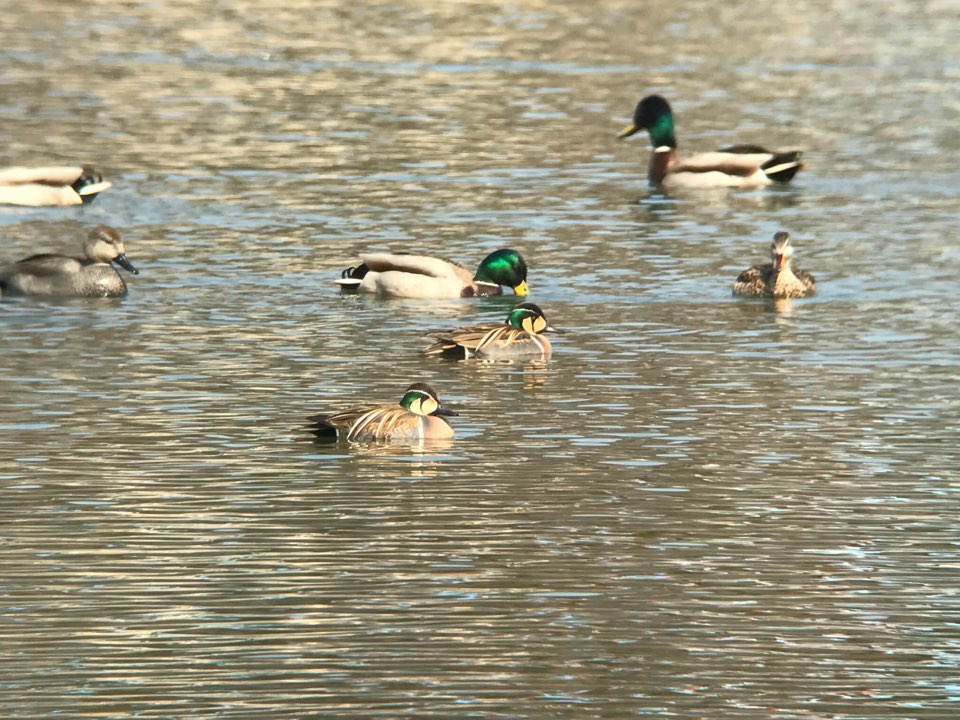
(419, 416)
(421, 276)
(51, 185)
(739, 166)
(520, 335)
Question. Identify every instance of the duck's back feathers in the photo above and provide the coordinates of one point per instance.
(738, 166)
(809, 284)
(407, 276)
(752, 281)
(49, 185)
(415, 264)
(761, 280)
(487, 340)
(356, 422)
(379, 423)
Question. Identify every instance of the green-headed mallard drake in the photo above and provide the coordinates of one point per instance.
(37, 186)
(736, 166)
(521, 334)
(65, 276)
(420, 276)
(776, 279)
(419, 416)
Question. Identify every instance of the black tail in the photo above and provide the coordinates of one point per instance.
(783, 166)
(88, 176)
(355, 273)
(317, 426)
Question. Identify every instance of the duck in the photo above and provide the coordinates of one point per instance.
(418, 416)
(424, 277)
(776, 279)
(520, 334)
(38, 186)
(63, 276)
(738, 166)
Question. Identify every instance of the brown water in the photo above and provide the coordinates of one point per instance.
(699, 507)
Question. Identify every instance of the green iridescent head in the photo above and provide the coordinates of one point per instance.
(504, 267)
(529, 318)
(654, 115)
(421, 399)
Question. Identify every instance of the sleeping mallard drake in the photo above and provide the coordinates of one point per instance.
(776, 279)
(737, 166)
(38, 186)
(419, 416)
(63, 276)
(521, 334)
(420, 276)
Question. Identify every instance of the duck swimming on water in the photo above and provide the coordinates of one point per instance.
(521, 334)
(63, 276)
(419, 416)
(737, 166)
(776, 279)
(38, 186)
(420, 276)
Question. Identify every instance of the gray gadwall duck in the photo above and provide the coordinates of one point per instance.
(520, 335)
(420, 276)
(776, 279)
(38, 186)
(736, 166)
(419, 416)
(65, 276)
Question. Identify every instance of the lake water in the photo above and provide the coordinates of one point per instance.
(700, 506)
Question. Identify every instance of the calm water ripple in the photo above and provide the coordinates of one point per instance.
(698, 506)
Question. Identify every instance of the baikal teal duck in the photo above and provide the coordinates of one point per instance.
(419, 416)
(521, 335)
(738, 166)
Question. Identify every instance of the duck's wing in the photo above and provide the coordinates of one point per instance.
(807, 279)
(750, 282)
(487, 340)
(415, 264)
(44, 265)
(462, 341)
(728, 163)
(368, 422)
(743, 161)
(779, 166)
(49, 175)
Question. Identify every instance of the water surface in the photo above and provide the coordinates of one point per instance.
(699, 506)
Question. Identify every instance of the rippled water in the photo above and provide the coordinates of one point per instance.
(699, 506)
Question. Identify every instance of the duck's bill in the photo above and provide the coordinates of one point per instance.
(777, 263)
(122, 261)
(629, 130)
(552, 329)
(521, 290)
(94, 188)
(446, 413)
